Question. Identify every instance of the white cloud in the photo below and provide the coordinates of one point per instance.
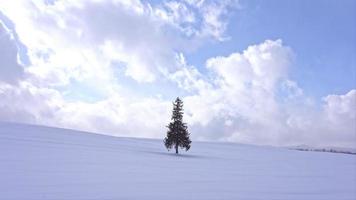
(27, 103)
(292, 89)
(243, 94)
(333, 125)
(253, 100)
(66, 35)
(340, 113)
(189, 78)
(10, 69)
(118, 116)
(341, 106)
(198, 19)
(248, 81)
(115, 116)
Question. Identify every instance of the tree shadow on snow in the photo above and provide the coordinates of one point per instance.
(178, 155)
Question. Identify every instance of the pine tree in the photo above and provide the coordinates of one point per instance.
(177, 134)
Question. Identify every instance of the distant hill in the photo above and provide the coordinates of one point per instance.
(325, 149)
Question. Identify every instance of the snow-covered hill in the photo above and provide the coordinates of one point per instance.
(50, 163)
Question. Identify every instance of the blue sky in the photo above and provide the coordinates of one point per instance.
(321, 33)
(261, 72)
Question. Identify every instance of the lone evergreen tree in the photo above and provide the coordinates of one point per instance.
(177, 134)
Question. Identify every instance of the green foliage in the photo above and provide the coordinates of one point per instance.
(177, 134)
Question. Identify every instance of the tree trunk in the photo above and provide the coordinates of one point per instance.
(176, 149)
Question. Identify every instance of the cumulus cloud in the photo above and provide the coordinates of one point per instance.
(252, 100)
(340, 114)
(244, 93)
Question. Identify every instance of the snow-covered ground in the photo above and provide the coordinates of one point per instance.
(49, 163)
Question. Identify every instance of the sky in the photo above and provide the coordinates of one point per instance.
(258, 72)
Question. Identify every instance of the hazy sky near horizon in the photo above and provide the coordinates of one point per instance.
(262, 72)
